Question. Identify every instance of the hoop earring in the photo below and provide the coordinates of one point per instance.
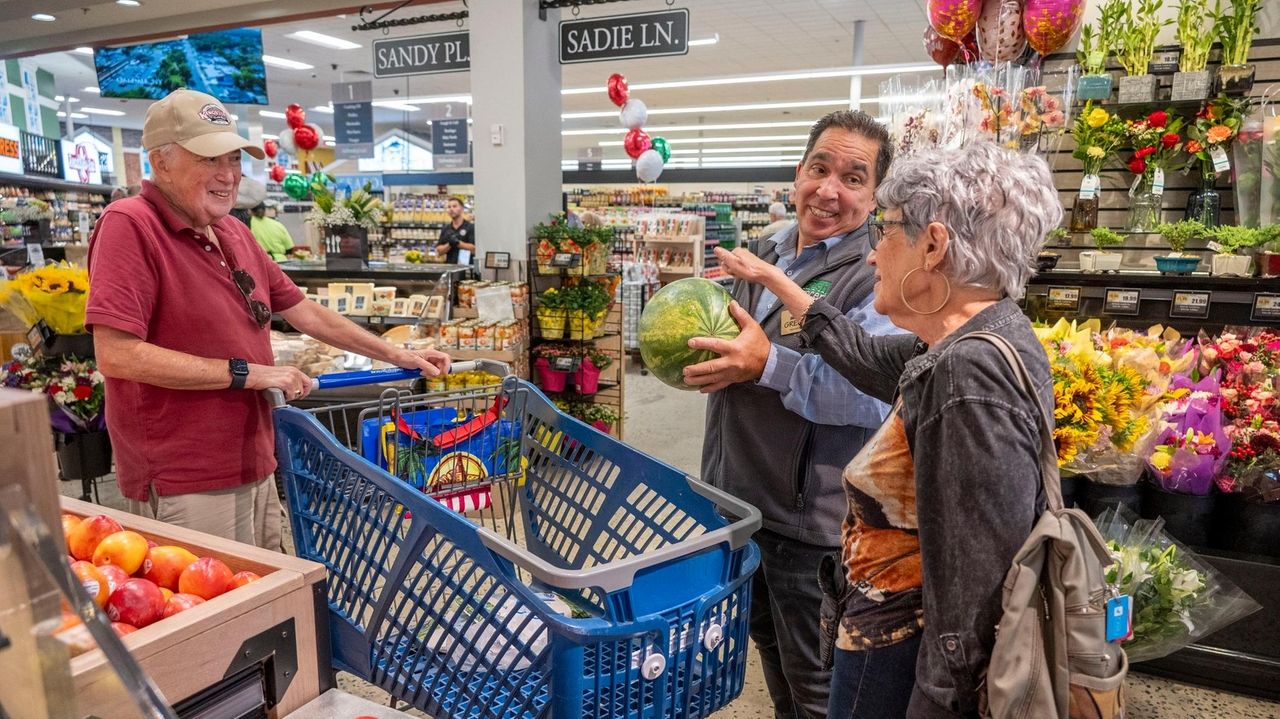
(902, 295)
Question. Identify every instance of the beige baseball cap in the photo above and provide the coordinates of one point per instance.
(197, 122)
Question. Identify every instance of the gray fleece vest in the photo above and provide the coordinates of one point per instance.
(758, 450)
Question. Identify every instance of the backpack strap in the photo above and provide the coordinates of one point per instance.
(1049, 475)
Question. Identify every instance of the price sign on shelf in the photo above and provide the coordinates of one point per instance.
(565, 364)
(1266, 307)
(1121, 301)
(1190, 304)
(1064, 299)
(566, 259)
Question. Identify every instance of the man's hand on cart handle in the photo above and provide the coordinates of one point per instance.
(291, 381)
(432, 363)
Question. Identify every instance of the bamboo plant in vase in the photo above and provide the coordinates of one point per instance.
(1209, 140)
(1100, 260)
(1235, 32)
(1230, 244)
(1095, 82)
(1156, 144)
(1135, 46)
(1097, 133)
(1177, 235)
(1196, 34)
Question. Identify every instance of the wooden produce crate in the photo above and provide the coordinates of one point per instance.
(279, 622)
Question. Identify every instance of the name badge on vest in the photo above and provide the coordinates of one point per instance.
(787, 324)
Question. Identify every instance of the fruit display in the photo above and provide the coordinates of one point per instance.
(687, 308)
(135, 581)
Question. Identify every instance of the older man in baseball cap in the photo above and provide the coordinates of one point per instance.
(180, 312)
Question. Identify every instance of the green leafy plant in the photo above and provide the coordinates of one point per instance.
(1233, 239)
(1196, 33)
(1178, 234)
(1270, 238)
(1104, 238)
(1095, 46)
(1057, 236)
(1097, 134)
(361, 207)
(1165, 590)
(553, 298)
(1136, 42)
(1236, 31)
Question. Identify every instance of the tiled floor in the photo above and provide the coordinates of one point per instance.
(668, 424)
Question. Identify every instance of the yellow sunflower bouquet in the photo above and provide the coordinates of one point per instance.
(54, 294)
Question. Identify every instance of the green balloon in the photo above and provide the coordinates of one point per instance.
(660, 144)
(320, 178)
(295, 186)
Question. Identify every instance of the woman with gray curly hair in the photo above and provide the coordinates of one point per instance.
(952, 479)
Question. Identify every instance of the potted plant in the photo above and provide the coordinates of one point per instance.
(1230, 242)
(556, 236)
(1156, 144)
(1101, 260)
(586, 300)
(597, 244)
(1097, 133)
(1209, 139)
(544, 357)
(1177, 235)
(1235, 32)
(1269, 241)
(345, 222)
(552, 311)
(1135, 46)
(600, 416)
(1095, 82)
(1196, 34)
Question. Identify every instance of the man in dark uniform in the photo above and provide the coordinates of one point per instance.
(459, 234)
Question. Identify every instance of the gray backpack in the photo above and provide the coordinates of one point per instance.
(1051, 656)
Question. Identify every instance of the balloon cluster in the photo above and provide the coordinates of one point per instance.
(650, 153)
(299, 136)
(998, 30)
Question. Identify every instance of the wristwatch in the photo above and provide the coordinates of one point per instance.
(239, 372)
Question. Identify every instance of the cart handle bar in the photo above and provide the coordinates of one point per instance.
(391, 374)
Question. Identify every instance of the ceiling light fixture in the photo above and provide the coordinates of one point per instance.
(58, 98)
(100, 111)
(731, 150)
(326, 109)
(94, 89)
(128, 3)
(715, 38)
(74, 115)
(860, 71)
(43, 17)
(83, 50)
(271, 114)
(714, 108)
(395, 105)
(281, 62)
(663, 129)
(316, 38)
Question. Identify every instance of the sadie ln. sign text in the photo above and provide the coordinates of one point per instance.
(619, 37)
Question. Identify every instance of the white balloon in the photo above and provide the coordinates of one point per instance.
(633, 114)
(286, 141)
(319, 132)
(649, 166)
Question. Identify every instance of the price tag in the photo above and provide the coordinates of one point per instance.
(1266, 307)
(565, 364)
(1119, 613)
(1089, 186)
(1066, 299)
(566, 259)
(1157, 181)
(35, 255)
(1191, 304)
(1213, 245)
(377, 320)
(1121, 301)
(1220, 161)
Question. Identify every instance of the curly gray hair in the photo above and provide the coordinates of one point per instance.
(997, 205)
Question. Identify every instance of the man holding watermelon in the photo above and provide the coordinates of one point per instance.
(781, 423)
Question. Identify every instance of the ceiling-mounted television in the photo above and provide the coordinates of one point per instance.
(226, 64)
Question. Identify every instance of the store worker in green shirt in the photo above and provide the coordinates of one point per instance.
(270, 233)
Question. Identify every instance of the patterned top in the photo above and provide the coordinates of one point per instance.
(881, 548)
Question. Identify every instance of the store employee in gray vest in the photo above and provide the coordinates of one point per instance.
(781, 424)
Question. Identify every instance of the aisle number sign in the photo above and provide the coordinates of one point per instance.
(10, 149)
(621, 37)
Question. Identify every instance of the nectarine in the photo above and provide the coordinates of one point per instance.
(85, 536)
(139, 603)
(123, 549)
(206, 578)
(164, 565)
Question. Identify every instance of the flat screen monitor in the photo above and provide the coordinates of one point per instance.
(226, 64)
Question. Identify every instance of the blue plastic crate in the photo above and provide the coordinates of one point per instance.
(460, 621)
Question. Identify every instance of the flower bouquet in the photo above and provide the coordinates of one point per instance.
(75, 389)
(1177, 597)
(1190, 447)
(52, 298)
(1097, 134)
(1156, 144)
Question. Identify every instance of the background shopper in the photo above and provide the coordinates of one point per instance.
(180, 312)
(272, 236)
(777, 220)
(459, 234)
(781, 423)
(955, 246)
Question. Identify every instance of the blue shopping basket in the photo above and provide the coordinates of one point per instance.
(615, 587)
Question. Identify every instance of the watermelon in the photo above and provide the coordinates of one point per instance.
(684, 309)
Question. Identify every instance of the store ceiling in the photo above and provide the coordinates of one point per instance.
(754, 37)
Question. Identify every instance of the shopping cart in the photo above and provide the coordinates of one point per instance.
(594, 581)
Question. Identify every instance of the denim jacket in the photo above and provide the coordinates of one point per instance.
(974, 437)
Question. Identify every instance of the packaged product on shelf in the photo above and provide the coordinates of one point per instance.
(449, 334)
(467, 293)
(387, 294)
(484, 336)
(467, 335)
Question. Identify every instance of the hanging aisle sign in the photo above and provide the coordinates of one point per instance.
(620, 37)
(449, 145)
(353, 119)
(422, 54)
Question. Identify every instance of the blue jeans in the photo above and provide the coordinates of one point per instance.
(785, 601)
(875, 683)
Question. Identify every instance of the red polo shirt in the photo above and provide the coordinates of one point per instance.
(154, 276)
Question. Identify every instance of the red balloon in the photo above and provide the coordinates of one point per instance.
(305, 137)
(271, 147)
(277, 173)
(295, 116)
(636, 142)
(942, 50)
(618, 91)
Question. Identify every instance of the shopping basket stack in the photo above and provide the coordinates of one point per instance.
(613, 586)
